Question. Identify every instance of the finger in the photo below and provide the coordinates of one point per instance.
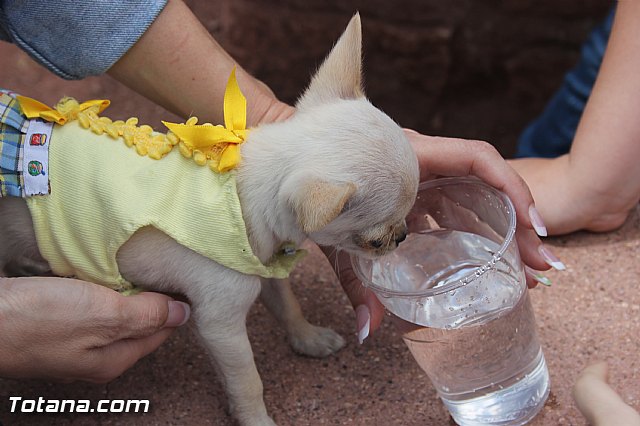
(599, 370)
(112, 360)
(529, 245)
(598, 402)
(369, 310)
(534, 277)
(144, 314)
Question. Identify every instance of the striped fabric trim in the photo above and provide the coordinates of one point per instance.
(13, 126)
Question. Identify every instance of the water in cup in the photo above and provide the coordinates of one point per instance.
(477, 342)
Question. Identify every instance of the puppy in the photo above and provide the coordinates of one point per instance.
(339, 172)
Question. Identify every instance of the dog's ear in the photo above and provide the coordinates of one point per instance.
(317, 202)
(340, 76)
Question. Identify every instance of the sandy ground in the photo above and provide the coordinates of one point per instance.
(591, 312)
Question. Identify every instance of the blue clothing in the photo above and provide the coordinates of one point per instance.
(550, 135)
(75, 39)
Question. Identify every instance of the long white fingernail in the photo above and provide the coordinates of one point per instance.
(551, 259)
(536, 221)
(363, 320)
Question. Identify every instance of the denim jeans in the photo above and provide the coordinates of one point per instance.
(75, 39)
(550, 135)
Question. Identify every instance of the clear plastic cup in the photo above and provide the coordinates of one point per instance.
(456, 289)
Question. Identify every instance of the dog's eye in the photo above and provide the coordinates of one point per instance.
(376, 243)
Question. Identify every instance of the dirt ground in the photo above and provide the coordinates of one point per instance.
(592, 312)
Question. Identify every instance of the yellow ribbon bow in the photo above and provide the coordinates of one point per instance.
(207, 136)
(66, 110)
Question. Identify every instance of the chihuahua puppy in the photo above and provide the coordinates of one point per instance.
(339, 172)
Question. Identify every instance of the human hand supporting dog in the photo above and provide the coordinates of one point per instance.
(65, 329)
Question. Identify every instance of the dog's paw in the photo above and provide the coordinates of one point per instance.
(315, 341)
(251, 414)
(262, 421)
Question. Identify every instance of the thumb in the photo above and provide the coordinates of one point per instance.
(369, 310)
(145, 313)
(117, 357)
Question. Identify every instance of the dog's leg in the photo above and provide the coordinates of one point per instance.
(225, 336)
(220, 299)
(304, 338)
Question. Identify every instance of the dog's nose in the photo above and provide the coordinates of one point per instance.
(400, 238)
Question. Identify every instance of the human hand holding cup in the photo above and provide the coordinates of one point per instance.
(456, 289)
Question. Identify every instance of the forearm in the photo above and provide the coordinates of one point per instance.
(597, 183)
(178, 65)
(605, 152)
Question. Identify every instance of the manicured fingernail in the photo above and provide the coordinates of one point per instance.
(551, 259)
(536, 221)
(542, 279)
(538, 277)
(363, 320)
(179, 313)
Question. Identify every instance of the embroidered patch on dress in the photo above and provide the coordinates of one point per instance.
(35, 158)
